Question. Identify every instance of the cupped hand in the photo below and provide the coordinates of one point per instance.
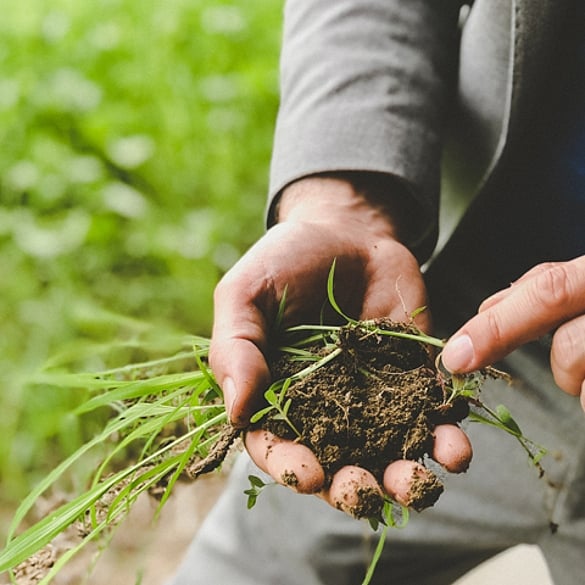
(321, 219)
(549, 297)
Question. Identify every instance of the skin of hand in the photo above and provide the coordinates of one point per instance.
(549, 297)
(320, 219)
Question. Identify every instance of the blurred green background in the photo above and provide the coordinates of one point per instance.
(135, 138)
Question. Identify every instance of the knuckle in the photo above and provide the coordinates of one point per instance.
(543, 266)
(552, 287)
(568, 349)
(568, 355)
(218, 292)
(224, 286)
(495, 328)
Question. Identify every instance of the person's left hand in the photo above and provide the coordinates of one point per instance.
(548, 297)
(320, 219)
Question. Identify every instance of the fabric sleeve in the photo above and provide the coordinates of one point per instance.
(365, 86)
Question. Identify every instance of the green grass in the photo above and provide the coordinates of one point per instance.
(135, 141)
(157, 422)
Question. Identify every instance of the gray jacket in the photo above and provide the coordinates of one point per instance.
(370, 85)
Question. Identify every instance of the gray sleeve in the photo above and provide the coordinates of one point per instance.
(365, 87)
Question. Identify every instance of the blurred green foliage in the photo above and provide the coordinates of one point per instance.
(134, 145)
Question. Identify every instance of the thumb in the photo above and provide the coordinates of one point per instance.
(242, 373)
(236, 350)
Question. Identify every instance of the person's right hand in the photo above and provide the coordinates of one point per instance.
(548, 298)
(321, 219)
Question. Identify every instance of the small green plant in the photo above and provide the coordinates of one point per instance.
(163, 427)
(390, 519)
(502, 418)
(277, 401)
(256, 487)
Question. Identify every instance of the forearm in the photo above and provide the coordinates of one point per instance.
(364, 88)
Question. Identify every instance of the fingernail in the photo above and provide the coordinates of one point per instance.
(229, 394)
(458, 354)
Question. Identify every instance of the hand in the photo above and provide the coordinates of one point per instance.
(321, 219)
(548, 297)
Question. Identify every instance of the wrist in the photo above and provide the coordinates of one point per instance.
(361, 198)
(337, 198)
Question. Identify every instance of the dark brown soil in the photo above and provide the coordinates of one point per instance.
(376, 402)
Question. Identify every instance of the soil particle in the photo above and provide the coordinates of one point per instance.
(424, 491)
(365, 503)
(290, 479)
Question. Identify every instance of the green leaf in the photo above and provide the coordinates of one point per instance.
(537, 457)
(257, 485)
(331, 294)
(417, 312)
(139, 389)
(403, 519)
(270, 395)
(286, 407)
(261, 414)
(38, 535)
(507, 420)
(256, 481)
(285, 386)
(206, 372)
(281, 308)
(374, 523)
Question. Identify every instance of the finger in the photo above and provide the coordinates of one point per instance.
(259, 444)
(238, 340)
(246, 302)
(290, 464)
(502, 294)
(452, 448)
(242, 373)
(411, 484)
(583, 395)
(531, 309)
(356, 492)
(538, 269)
(567, 356)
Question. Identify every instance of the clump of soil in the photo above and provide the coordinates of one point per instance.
(376, 402)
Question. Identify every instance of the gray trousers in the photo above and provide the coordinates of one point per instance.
(290, 539)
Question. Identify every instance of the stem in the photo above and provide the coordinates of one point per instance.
(313, 367)
(377, 555)
(290, 423)
(371, 326)
(420, 337)
(324, 328)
